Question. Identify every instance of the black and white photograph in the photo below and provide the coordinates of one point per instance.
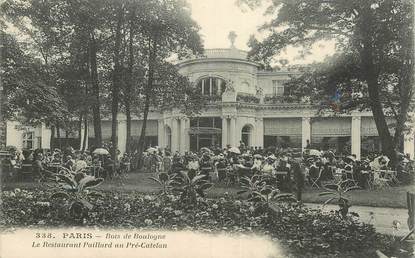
(207, 128)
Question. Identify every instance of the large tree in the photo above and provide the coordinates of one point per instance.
(374, 65)
(165, 28)
(67, 35)
(27, 95)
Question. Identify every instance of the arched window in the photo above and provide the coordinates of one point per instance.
(211, 86)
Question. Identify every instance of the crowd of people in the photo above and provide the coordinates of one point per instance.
(317, 166)
(42, 162)
(226, 165)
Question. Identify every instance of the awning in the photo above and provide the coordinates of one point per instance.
(331, 126)
(204, 130)
(282, 126)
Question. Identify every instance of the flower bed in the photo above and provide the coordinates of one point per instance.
(305, 232)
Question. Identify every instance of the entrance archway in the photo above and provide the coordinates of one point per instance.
(205, 132)
(247, 131)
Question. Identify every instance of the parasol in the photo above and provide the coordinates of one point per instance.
(101, 151)
(314, 152)
(204, 149)
(151, 150)
(235, 150)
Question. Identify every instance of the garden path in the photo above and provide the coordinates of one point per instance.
(381, 217)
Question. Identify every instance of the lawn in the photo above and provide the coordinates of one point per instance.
(394, 197)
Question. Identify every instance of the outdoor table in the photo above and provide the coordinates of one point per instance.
(390, 175)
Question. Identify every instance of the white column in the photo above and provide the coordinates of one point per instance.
(305, 131)
(409, 139)
(122, 135)
(175, 135)
(45, 134)
(14, 136)
(219, 82)
(259, 132)
(187, 134)
(161, 134)
(184, 134)
(203, 86)
(224, 131)
(356, 136)
(81, 144)
(232, 132)
(210, 86)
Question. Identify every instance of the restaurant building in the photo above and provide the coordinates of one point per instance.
(246, 104)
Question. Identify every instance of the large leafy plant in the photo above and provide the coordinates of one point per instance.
(165, 181)
(261, 193)
(190, 185)
(337, 192)
(75, 189)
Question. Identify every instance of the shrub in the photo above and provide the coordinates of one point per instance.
(73, 192)
(306, 232)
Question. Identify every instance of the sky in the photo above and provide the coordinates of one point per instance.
(218, 17)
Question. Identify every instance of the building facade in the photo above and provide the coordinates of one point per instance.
(253, 106)
(245, 104)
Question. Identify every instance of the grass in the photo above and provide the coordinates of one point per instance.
(393, 197)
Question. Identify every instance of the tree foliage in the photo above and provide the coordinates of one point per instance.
(373, 66)
(108, 56)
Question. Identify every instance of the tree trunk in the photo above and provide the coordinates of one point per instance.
(406, 81)
(129, 85)
(58, 135)
(370, 74)
(52, 137)
(80, 131)
(116, 81)
(96, 114)
(147, 92)
(85, 133)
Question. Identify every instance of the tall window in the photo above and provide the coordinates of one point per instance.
(212, 86)
(28, 140)
(278, 88)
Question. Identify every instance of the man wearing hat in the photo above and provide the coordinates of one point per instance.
(221, 166)
(205, 165)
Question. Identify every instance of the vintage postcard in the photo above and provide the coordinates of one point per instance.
(207, 128)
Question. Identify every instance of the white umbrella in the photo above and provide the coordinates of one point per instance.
(101, 151)
(314, 152)
(235, 150)
(151, 150)
(204, 149)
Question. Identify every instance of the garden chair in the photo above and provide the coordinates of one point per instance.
(392, 176)
(315, 181)
(350, 176)
(379, 182)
